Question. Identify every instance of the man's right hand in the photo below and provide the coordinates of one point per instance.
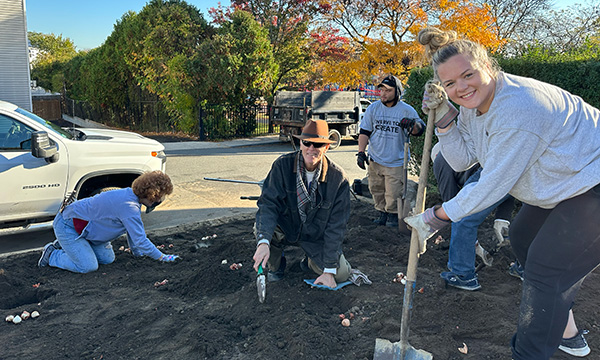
(362, 158)
(261, 256)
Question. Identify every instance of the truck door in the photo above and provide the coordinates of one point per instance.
(30, 187)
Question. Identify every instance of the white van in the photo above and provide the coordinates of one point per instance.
(41, 164)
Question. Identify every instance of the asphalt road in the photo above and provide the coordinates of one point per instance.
(195, 199)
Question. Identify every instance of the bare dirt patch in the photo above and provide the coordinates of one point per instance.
(207, 311)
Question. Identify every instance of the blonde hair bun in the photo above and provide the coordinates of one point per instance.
(433, 39)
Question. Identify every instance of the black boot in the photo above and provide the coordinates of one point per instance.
(274, 276)
(392, 220)
(382, 219)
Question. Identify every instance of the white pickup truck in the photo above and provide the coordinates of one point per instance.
(41, 164)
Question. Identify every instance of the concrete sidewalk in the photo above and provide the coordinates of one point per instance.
(194, 145)
(186, 145)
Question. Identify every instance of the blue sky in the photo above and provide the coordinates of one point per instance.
(89, 22)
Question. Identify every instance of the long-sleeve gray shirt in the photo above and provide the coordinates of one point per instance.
(537, 142)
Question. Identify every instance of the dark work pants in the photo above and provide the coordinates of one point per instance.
(450, 182)
(558, 248)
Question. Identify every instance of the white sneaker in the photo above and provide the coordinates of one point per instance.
(576, 346)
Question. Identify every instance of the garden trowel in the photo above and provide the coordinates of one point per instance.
(261, 284)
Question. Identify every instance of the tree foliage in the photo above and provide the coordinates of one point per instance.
(287, 23)
(513, 19)
(562, 31)
(162, 41)
(383, 33)
(150, 56)
(239, 63)
(49, 66)
(52, 47)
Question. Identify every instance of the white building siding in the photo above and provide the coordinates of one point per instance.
(14, 56)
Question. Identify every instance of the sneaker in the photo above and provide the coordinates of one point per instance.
(576, 346)
(56, 244)
(45, 258)
(469, 283)
(515, 269)
(392, 220)
(382, 219)
(483, 254)
(274, 276)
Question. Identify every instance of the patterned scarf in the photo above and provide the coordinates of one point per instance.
(306, 198)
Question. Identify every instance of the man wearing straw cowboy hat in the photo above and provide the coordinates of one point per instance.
(305, 202)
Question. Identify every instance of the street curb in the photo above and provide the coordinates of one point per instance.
(170, 230)
(174, 229)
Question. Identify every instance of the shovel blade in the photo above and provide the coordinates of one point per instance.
(386, 350)
(261, 287)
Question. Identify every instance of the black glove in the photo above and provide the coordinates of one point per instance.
(407, 123)
(362, 159)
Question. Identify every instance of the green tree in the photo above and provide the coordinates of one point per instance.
(287, 23)
(239, 64)
(148, 60)
(161, 44)
(54, 53)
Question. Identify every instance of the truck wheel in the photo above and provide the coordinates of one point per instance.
(105, 189)
(336, 137)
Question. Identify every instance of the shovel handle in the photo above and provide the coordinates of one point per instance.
(413, 257)
(260, 269)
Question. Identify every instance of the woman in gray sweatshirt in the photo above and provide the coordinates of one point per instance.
(539, 144)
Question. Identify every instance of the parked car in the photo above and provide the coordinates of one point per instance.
(41, 164)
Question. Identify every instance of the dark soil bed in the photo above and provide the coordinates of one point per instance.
(207, 311)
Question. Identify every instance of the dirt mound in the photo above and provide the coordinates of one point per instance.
(205, 310)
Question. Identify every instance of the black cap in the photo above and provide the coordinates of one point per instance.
(388, 81)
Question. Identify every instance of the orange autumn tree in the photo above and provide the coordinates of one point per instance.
(381, 35)
(473, 22)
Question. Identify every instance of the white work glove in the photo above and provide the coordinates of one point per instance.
(426, 225)
(483, 254)
(501, 231)
(435, 98)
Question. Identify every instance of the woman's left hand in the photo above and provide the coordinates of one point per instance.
(427, 224)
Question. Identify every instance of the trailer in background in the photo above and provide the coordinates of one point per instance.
(342, 110)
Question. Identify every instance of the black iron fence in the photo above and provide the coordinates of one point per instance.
(216, 122)
(140, 116)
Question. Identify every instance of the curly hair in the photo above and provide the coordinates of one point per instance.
(152, 185)
(442, 45)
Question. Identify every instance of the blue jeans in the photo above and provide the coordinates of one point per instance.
(461, 256)
(77, 253)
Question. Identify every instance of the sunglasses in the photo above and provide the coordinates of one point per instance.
(309, 143)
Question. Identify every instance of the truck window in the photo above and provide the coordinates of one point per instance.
(46, 123)
(13, 133)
